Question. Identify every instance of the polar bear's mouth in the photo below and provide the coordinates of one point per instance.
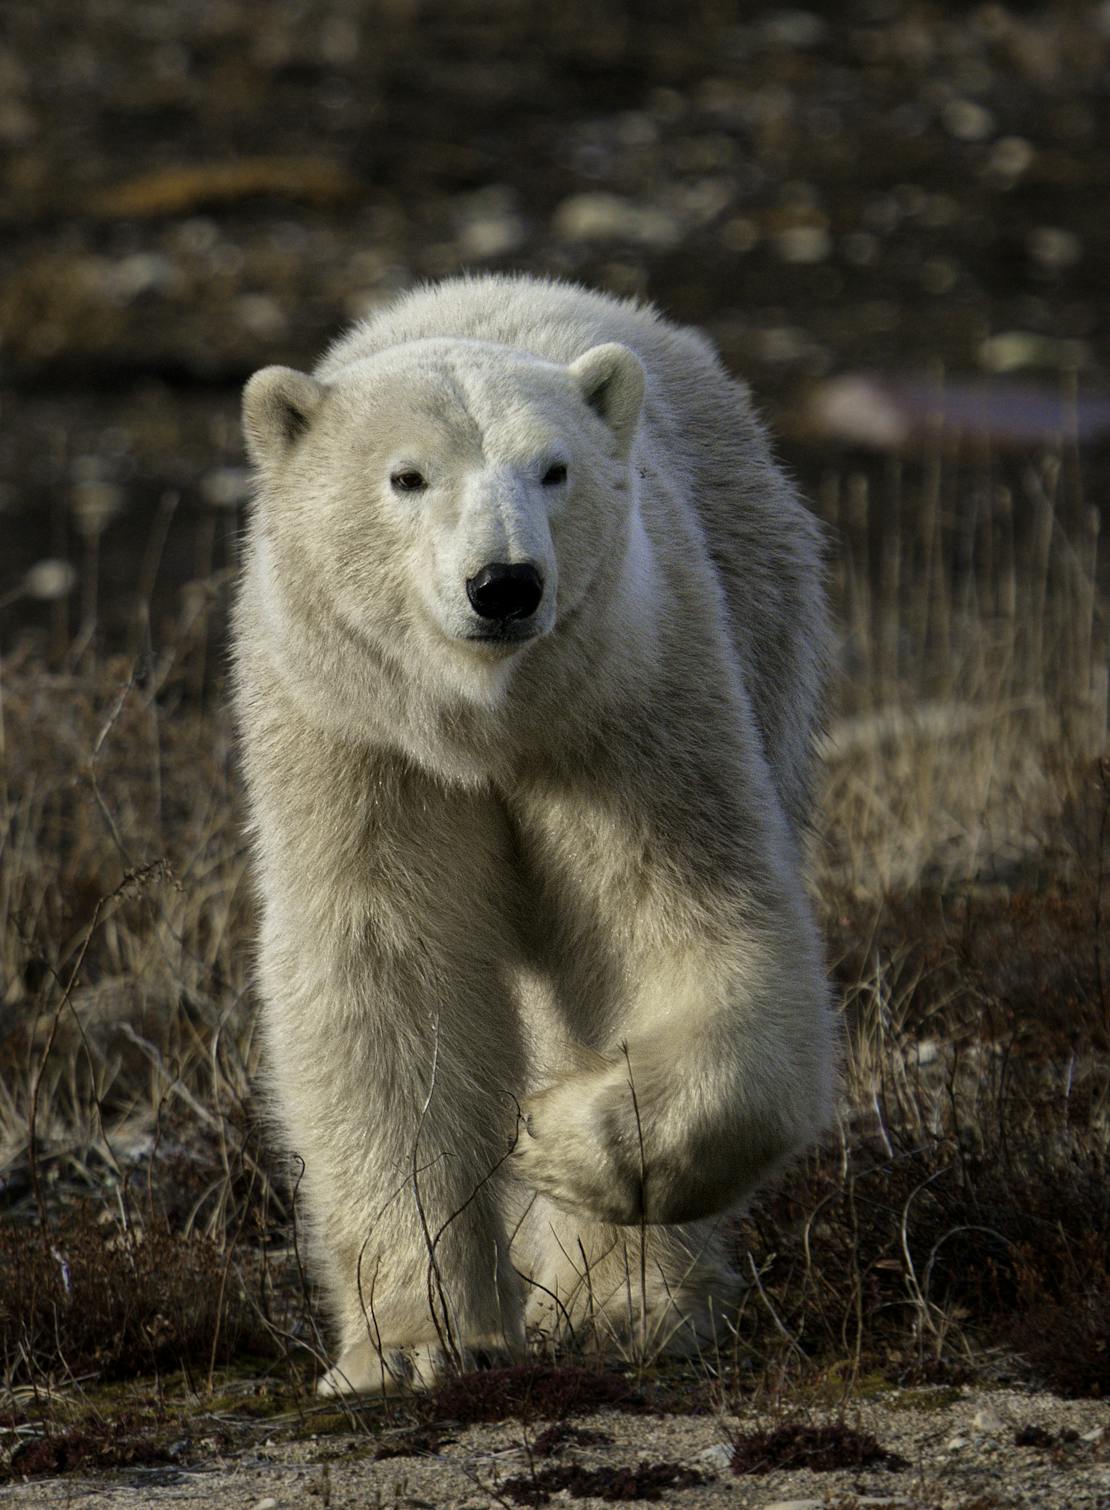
(504, 635)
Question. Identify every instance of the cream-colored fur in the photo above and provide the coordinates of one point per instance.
(543, 892)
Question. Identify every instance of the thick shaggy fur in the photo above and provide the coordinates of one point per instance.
(544, 892)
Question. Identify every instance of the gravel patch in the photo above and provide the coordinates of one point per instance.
(960, 1454)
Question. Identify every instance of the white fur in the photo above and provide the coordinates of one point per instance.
(562, 873)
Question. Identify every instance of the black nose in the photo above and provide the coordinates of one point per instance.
(500, 591)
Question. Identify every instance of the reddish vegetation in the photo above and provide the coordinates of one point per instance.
(85, 1297)
(107, 1444)
(529, 1391)
(561, 1435)
(821, 1449)
(644, 1482)
(1038, 1436)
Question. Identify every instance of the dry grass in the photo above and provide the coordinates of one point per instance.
(954, 1227)
(958, 1224)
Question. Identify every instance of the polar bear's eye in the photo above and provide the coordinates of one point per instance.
(555, 474)
(408, 480)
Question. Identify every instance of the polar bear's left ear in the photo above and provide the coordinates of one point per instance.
(612, 383)
(278, 405)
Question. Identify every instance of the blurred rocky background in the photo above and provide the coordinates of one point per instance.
(892, 215)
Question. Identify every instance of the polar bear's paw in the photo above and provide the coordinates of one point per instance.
(587, 1146)
(368, 1370)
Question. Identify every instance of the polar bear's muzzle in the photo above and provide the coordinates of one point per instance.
(505, 596)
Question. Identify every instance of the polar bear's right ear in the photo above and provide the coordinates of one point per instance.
(278, 405)
(612, 383)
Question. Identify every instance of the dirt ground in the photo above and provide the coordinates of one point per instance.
(960, 1453)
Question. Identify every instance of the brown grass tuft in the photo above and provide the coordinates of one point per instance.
(87, 1297)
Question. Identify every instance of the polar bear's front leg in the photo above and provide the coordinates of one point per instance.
(726, 1071)
(399, 1137)
(394, 1051)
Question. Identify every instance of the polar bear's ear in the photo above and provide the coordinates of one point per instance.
(278, 405)
(612, 383)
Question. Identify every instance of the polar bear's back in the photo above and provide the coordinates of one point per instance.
(763, 545)
(555, 321)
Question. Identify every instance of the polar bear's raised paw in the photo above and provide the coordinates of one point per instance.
(580, 1145)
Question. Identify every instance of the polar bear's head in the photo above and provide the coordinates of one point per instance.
(447, 503)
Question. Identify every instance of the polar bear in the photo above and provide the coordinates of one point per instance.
(528, 656)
